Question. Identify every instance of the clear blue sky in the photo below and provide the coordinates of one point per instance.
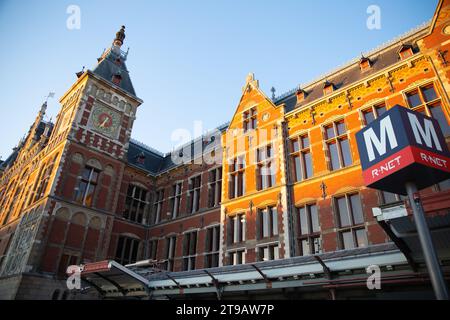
(188, 59)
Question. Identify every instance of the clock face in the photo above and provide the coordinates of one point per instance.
(106, 121)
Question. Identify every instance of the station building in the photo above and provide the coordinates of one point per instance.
(271, 204)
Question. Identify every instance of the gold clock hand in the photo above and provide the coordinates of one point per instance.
(102, 125)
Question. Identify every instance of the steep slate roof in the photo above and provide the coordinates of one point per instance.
(12, 157)
(152, 159)
(380, 58)
(156, 162)
(107, 67)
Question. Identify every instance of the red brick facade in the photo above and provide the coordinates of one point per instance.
(44, 227)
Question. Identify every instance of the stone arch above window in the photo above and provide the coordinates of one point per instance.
(95, 223)
(129, 235)
(94, 163)
(78, 158)
(63, 214)
(139, 184)
(79, 218)
(109, 170)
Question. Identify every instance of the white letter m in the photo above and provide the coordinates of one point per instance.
(371, 139)
(426, 134)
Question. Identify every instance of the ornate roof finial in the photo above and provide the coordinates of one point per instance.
(273, 90)
(250, 81)
(120, 36)
(80, 73)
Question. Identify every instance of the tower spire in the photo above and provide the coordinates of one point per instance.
(120, 36)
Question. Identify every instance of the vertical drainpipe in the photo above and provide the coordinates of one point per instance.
(222, 206)
(286, 192)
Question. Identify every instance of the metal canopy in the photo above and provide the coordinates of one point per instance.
(110, 278)
(143, 280)
(398, 223)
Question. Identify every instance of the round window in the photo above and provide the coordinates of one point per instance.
(446, 30)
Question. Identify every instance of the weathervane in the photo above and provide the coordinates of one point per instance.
(50, 95)
(273, 90)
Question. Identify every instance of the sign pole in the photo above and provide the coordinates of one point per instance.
(431, 258)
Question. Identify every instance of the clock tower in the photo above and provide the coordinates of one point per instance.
(92, 134)
(71, 215)
(99, 109)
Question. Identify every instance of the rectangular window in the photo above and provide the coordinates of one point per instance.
(413, 99)
(236, 229)
(309, 238)
(153, 249)
(127, 250)
(195, 184)
(212, 247)
(426, 100)
(236, 257)
(86, 186)
(135, 204)
(301, 158)
(373, 113)
(265, 168)
(189, 250)
(351, 221)
(389, 197)
(338, 145)
(268, 222)
(249, 119)
(175, 199)
(236, 178)
(159, 200)
(214, 187)
(437, 113)
(170, 252)
(269, 252)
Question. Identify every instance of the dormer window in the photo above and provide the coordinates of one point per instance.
(301, 95)
(116, 79)
(140, 158)
(405, 51)
(365, 64)
(328, 88)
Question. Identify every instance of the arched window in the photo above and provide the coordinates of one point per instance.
(44, 179)
(127, 250)
(55, 294)
(86, 186)
(65, 295)
(8, 197)
(12, 204)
